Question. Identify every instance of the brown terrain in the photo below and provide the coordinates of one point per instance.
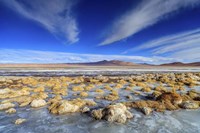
(181, 64)
(107, 63)
(104, 63)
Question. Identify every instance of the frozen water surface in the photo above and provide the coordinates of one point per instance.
(40, 121)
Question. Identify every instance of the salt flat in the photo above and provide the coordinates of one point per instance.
(79, 71)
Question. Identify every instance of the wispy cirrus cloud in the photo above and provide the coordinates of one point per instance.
(188, 54)
(55, 15)
(32, 56)
(148, 13)
(184, 46)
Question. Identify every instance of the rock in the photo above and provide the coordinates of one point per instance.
(136, 93)
(20, 121)
(158, 106)
(129, 97)
(146, 110)
(84, 94)
(171, 97)
(25, 104)
(190, 105)
(4, 91)
(63, 107)
(97, 114)
(55, 99)
(99, 91)
(78, 88)
(15, 93)
(111, 97)
(11, 111)
(156, 94)
(113, 113)
(5, 106)
(39, 89)
(194, 94)
(38, 103)
(85, 109)
(146, 89)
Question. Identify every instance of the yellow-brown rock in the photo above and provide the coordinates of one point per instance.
(84, 94)
(36, 103)
(113, 113)
(11, 111)
(7, 105)
(19, 121)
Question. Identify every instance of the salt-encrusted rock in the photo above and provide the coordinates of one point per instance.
(97, 114)
(173, 98)
(63, 107)
(4, 91)
(146, 110)
(14, 93)
(84, 94)
(155, 94)
(85, 109)
(190, 105)
(38, 103)
(194, 94)
(20, 121)
(113, 113)
(5, 106)
(11, 111)
(71, 106)
(129, 97)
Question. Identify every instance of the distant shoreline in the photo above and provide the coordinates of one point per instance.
(93, 71)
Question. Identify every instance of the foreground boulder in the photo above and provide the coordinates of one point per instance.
(4, 91)
(190, 105)
(38, 103)
(146, 110)
(170, 97)
(113, 113)
(11, 111)
(65, 106)
(5, 106)
(85, 110)
(195, 95)
(19, 121)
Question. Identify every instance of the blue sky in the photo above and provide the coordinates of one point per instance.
(60, 31)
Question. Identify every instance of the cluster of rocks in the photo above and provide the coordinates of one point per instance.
(48, 92)
(65, 106)
(166, 101)
(113, 113)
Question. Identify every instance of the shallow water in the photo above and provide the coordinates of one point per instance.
(40, 121)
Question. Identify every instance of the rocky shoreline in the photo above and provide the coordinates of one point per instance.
(108, 98)
(93, 71)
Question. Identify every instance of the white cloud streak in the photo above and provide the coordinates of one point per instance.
(171, 39)
(148, 13)
(187, 54)
(31, 56)
(184, 46)
(54, 15)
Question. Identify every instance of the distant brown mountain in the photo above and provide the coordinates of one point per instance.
(99, 63)
(181, 64)
(123, 63)
(106, 63)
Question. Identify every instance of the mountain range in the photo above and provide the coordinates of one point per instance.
(99, 63)
(123, 63)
